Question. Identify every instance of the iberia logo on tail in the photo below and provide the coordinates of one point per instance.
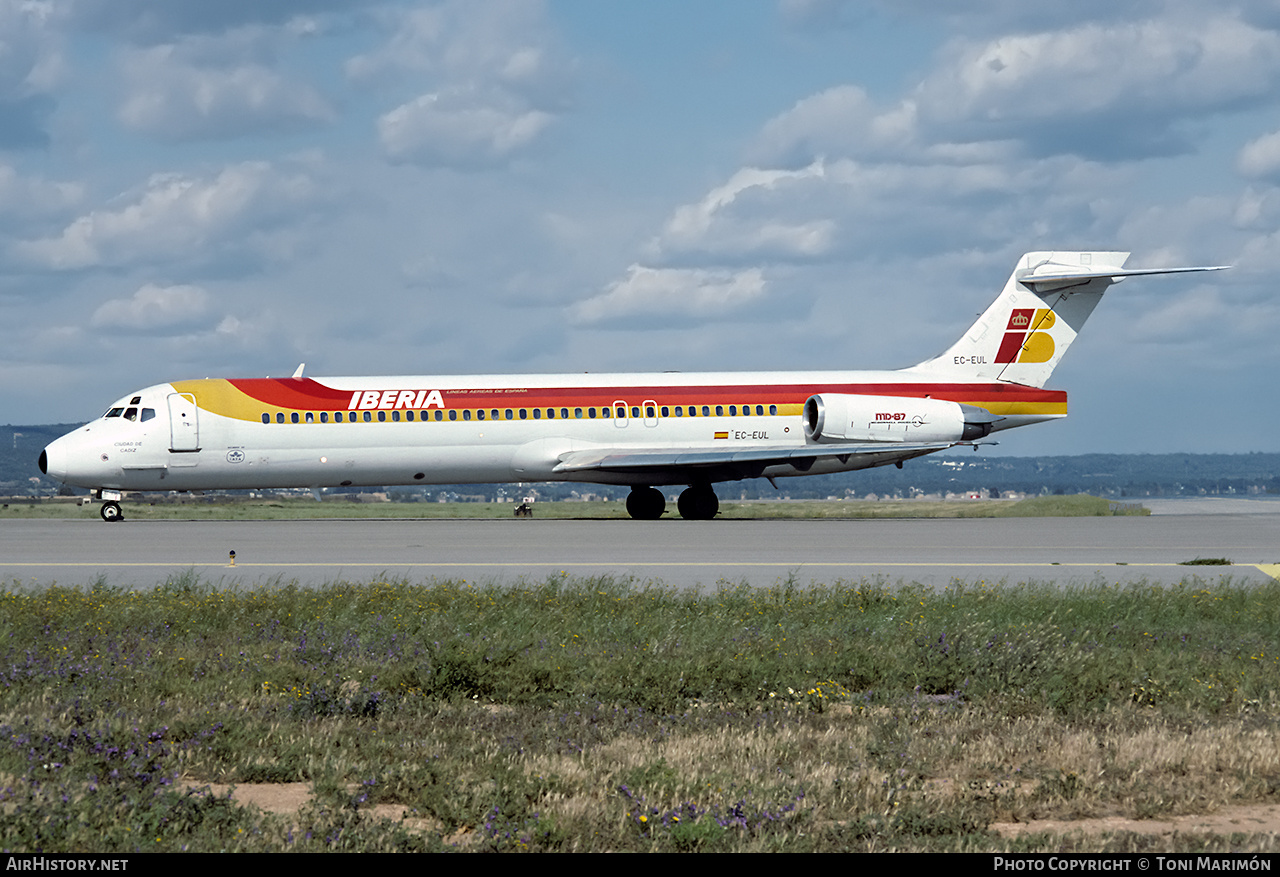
(1024, 340)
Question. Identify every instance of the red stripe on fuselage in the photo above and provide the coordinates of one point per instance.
(305, 394)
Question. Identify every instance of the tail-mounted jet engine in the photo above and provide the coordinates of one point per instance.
(838, 417)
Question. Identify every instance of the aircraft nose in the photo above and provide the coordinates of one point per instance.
(53, 462)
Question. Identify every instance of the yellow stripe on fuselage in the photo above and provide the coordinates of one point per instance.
(218, 396)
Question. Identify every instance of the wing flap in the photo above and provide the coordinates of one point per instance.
(693, 460)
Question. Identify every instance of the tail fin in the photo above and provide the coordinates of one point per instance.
(1023, 335)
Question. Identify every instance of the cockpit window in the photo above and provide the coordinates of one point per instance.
(148, 414)
(131, 414)
(114, 412)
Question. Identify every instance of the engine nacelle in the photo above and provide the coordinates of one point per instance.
(839, 417)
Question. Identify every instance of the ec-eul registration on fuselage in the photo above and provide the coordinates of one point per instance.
(642, 430)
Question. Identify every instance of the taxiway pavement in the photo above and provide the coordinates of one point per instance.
(680, 554)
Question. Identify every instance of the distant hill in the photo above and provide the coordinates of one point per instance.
(1118, 476)
(20, 446)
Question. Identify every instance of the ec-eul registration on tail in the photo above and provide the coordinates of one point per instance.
(642, 430)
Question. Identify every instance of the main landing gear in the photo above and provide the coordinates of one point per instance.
(645, 503)
(697, 503)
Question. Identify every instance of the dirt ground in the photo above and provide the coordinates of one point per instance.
(287, 798)
(1255, 819)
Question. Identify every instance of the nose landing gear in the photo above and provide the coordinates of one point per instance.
(111, 511)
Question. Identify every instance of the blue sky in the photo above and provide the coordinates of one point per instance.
(228, 189)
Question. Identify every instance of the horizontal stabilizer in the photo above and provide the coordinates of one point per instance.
(1050, 273)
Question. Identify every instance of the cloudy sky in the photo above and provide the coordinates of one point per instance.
(227, 188)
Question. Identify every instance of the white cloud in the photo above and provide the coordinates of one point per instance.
(181, 92)
(1110, 90)
(30, 64)
(1100, 90)
(1261, 157)
(458, 129)
(697, 226)
(659, 296)
(175, 217)
(494, 82)
(154, 307)
(24, 199)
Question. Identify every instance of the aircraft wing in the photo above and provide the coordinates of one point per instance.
(730, 464)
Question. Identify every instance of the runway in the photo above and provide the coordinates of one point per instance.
(676, 553)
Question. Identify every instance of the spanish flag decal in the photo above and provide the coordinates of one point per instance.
(722, 435)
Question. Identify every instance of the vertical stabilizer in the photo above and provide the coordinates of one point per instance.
(1023, 335)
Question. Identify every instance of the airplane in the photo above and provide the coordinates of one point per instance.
(641, 430)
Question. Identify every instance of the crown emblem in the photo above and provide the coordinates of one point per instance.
(1019, 321)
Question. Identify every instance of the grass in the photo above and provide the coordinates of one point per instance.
(297, 508)
(592, 714)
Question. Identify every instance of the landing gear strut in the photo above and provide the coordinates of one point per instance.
(698, 503)
(111, 511)
(645, 503)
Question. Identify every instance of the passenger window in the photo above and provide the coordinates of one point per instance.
(564, 413)
(382, 417)
(524, 414)
(368, 417)
(664, 411)
(577, 413)
(453, 414)
(439, 414)
(706, 410)
(591, 413)
(337, 417)
(311, 418)
(719, 411)
(266, 418)
(733, 410)
(279, 417)
(537, 414)
(508, 414)
(648, 411)
(408, 415)
(466, 415)
(395, 415)
(773, 409)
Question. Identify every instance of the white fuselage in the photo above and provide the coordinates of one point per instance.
(332, 432)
